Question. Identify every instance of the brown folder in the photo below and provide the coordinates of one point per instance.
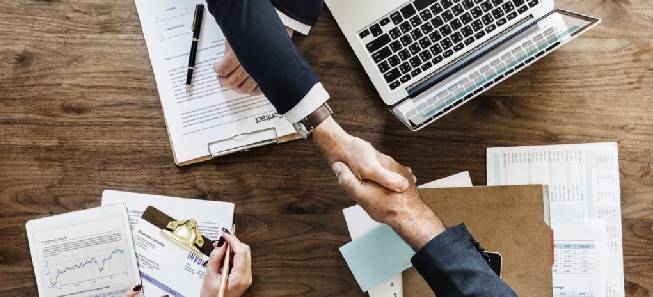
(505, 219)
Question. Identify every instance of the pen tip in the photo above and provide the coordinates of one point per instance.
(189, 88)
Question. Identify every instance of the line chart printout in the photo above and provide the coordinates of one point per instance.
(85, 253)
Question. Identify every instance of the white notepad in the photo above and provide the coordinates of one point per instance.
(84, 253)
(210, 120)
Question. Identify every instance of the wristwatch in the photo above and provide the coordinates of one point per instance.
(306, 125)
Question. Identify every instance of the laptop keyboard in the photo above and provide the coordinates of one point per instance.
(421, 34)
(485, 75)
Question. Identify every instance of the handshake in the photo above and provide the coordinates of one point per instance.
(378, 183)
(383, 187)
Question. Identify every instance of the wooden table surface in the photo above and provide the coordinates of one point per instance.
(80, 113)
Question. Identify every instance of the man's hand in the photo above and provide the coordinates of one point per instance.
(232, 75)
(364, 160)
(405, 212)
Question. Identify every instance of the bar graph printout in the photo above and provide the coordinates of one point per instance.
(583, 182)
(85, 253)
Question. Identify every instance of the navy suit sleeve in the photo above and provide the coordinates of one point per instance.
(305, 11)
(453, 266)
(264, 49)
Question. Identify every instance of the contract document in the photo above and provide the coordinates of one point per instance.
(210, 120)
(583, 184)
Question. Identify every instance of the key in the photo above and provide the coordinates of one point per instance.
(456, 24)
(385, 21)
(395, 33)
(415, 21)
(414, 48)
(384, 66)
(378, 43)
(405, 67)
(415, 62)
(376, 30)
(406, 40)
(436, 8)
(396, 18)
(467, 30)
(436, 49)
(364, 33)
(466, 18)
(416, 34)
(421, 4)
(427, 28)
(405, 27)
(477, 25)
(394, 61)
(425, 55)
(425, 42)
(404, 54)
(405, 78)
(395, 46)
(435, 36)
(394, 85)
(477, 12)
(425, 15)
(437, 21)
(408, 11)
(392, 75)
(382, 54)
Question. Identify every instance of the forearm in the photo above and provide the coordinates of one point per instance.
(266, 52)
(453, 266)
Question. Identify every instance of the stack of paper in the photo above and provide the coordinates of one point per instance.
(585, 210)
(166, 268)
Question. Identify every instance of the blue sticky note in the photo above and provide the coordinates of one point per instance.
(377, 256)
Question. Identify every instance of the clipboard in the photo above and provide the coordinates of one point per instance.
(242, 142)
(184, 233)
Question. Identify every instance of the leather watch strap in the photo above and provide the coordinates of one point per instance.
(317, 117)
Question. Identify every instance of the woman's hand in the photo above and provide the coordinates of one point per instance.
(240, 275)
(133, 292)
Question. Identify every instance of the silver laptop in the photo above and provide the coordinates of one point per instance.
(427, 57)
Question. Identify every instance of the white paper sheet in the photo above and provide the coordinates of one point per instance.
(579, 256)
(84, 253)
(211, 216)
(166, 268)
(359, 223)
(583, 183)
(210, 114)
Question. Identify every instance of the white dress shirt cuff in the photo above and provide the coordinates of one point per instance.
(294, 24)
(313, 99)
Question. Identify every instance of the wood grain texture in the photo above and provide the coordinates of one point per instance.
(79, 113)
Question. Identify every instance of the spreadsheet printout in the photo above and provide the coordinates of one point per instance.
(583, 183)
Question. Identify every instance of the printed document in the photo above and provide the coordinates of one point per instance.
(211, 216)
(210, 120)
(579, 256)
(360, 223)
(83, 253)
(167, 268)
(583, 184)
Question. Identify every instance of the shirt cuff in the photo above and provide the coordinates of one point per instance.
(315, 97)
(293, 23)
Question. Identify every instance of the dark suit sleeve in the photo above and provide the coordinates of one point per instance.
(264, 49)
(453, 266)
(304, 11)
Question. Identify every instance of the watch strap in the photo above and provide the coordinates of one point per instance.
(316, 118)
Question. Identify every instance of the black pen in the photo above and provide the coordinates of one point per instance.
(197, 26)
